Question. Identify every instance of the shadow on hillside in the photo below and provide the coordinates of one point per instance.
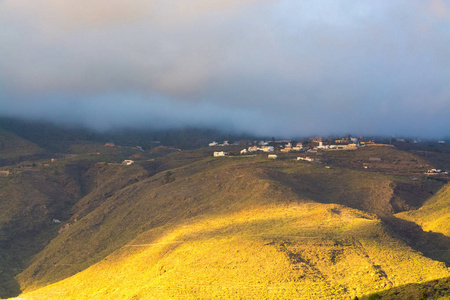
(433, 245)
(434, 289)
(367, 192)
(10, 288)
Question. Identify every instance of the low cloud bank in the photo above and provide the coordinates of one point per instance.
(284, 68)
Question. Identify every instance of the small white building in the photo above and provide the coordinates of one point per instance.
(441, 142)
(244, 151)
(213, 144)
(127, 162)
(321, 146)
(272, 156)
(219, 154)
(305, 158)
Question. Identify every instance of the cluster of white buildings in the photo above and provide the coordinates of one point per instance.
(214, 144)
(225, 143)
(286, 147)
(262, 148)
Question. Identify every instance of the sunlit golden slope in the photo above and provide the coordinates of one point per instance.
(305, 251)
(434, 215)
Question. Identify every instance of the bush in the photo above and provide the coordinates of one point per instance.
(374, 296)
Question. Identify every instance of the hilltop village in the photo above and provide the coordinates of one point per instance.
(313, 150)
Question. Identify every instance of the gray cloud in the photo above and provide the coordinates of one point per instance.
(270, 67)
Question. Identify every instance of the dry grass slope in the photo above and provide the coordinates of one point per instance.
(434, 215)
(304, 251)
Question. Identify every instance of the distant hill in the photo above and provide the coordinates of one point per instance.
(14, 149)
(56, 138)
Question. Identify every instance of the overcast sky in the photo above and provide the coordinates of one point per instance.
(269, 67)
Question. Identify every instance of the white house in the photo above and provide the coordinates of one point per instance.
(127, 162)
(321, 146)
(213, 144)
(305, 158)
(244, 151)
(219, 154)
(272, 156)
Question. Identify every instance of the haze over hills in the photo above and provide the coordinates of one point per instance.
(183, 224)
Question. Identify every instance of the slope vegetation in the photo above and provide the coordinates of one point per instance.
(270, 252)
(236, 227)
(434, 215)
(14, 149)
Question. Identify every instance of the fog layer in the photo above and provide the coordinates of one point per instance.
(280, 67)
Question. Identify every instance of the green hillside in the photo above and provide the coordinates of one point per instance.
(30, 198)
(14, 149)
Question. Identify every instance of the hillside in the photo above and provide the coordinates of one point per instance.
(182, 224)
(58, 138)
(14, 149)
(430, 290)
(434, 215)
(270, 252)
(209, 223)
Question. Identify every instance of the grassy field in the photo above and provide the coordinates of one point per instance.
(307, 251)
